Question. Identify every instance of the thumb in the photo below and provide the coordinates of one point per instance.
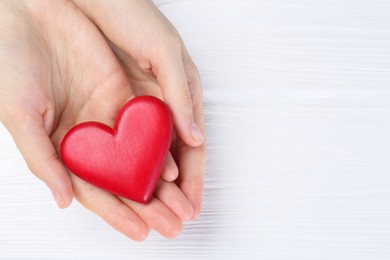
(41, 157)
(171, 77)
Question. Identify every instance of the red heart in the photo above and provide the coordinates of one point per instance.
(128, 159)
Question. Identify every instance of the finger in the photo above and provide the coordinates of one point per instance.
(171, 76)
(170, 171)
(111, 209)
(40, 155)
(157, 216)
(174, 199)
(191, 181)
(192, 160)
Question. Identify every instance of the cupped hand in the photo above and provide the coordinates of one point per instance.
(57, 70)
(151, 51)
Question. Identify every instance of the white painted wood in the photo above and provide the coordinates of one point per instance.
(297, 103)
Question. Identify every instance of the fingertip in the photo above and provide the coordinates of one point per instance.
(193, 189)
(174, 231)
(188, 214)
(58, 198)
(68, 199)
(196, 215)
(61, 188)
(157, 216)
(170, 194)
(170, 171)
(133, 228)
(141, 235)
(197, 208)
(190, 133)
(63, 199)
(184, 211)
(197, 136)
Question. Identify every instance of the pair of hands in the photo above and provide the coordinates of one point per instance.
(64, 62)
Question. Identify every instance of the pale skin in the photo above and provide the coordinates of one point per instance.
(65, 62)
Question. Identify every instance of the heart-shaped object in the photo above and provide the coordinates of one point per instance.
(127, 160)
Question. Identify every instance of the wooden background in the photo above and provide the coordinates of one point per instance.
(297, 104)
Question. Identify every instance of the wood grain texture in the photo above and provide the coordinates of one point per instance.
(297, 104)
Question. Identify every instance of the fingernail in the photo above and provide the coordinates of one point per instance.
(57, 197)
(196, 134)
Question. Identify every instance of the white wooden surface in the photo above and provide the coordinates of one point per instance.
(297, 103)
